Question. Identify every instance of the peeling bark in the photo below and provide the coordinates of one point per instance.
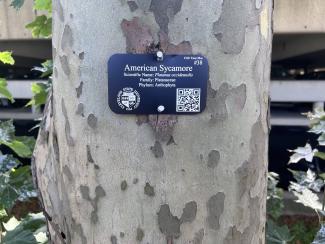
(162, 178)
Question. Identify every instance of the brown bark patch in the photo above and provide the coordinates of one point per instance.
(163, 125)
(138, 35)
(215, 207)
(165, 11)
(184, 47)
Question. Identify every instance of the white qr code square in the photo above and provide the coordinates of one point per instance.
(188, 100)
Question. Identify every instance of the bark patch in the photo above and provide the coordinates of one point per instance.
(92, 121)
(198, 237)
(67, 127)
(163, 125)
(213, 159)
(67, 38)
(230, 28)
(215, 207)
(149, 190)
(80, 109)
(79, 89)
(138, 35)
(170, 225)
(113, 239)
(164, 11)
(224, 99)
(132, 5)
(124, 185)
(157, 150)
(189, 212)
(68, 173)
(140, 234)
(89, 156)
(65, 65)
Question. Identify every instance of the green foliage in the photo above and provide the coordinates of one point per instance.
(41, 26)
(277, 234)
(4, 90)
(274, 205)
(45, 5)
(46, 69)
(303, 233)
(16, 184)
(17, 4)
(22, 146)
(6, 58)
(28, 231)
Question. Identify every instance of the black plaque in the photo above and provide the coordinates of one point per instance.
(145, 84)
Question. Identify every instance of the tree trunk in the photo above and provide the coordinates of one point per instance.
(108, 178)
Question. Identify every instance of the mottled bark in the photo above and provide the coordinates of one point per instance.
(107, 178)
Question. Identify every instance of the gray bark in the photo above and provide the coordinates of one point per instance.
(107, 178)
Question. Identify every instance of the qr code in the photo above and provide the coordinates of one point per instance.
(188, 100)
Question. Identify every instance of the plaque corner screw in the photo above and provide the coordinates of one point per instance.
(161, 108)
(160, 55)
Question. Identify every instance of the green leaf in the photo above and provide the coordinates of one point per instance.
(320, 155)
(43, 5)
(277, 234)
(4, 90)
(3, 214)
(40, 91)
(19, 148)
(46, 69)
(17, 4)
(41, 26)
(7, 131)
(25, 230)
(6, 58)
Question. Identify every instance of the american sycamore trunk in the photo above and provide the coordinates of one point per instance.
(157, 179)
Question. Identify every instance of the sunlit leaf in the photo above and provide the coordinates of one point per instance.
(305, 152)
(43, 5)
(306, 196)
(40, 91)
(4, 90)
(41, 26)
(6, 58)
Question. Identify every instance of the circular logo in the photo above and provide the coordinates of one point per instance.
(128, 98)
